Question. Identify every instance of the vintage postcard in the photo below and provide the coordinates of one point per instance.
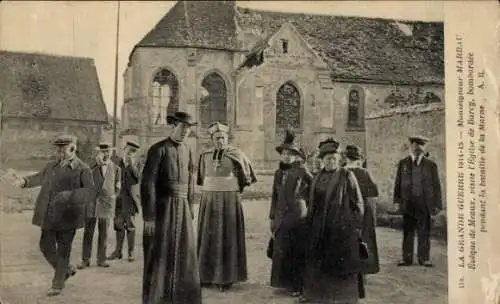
(187, 152)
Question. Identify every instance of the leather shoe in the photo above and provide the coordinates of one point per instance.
(83, 265)
(426, 264)
(54, 292)
(404, 263)
(115, 256)
(103, 265)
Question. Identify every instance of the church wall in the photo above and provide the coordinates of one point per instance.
(387, 134)
(189, 66)
(373, 101)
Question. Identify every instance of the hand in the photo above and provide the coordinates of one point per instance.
(149, 227)
(397, 208)
(272, 225)
(61, 197)
(435, 211)
(19, 182)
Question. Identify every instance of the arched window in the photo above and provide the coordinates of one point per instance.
(165, 96)
(355, 115)
(287, 108)
(213, 104)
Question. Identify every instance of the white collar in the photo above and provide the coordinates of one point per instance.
(419, 160)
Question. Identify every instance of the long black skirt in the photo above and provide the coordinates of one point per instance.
(288, 259)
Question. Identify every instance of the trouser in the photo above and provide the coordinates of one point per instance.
(88, 235)
(56, 248)
(422, 225)
(124, 225)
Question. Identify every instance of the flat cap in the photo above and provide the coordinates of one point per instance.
(132, 144)
(63, 140)
(422, 140)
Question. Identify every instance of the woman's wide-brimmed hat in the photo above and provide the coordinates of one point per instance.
(328, 146)
(353, 152)
(290, 144)
(183, 117)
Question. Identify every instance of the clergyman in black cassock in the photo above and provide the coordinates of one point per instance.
(171, 274)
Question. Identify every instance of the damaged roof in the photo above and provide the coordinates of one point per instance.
(355, 48)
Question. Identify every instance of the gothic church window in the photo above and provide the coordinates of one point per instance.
(355, 115)
(284, 46)
(165, 96)
(213, 106)
(288, 108)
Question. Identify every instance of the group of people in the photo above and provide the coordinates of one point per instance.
(322, 223)
(74, 195)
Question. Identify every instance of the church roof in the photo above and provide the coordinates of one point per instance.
(203, 24)
(50, 87)
(355, 48)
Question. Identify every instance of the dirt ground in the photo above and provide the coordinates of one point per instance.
(25, 276)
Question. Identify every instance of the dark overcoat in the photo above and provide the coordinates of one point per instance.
(430, 184)
(64, 195)
(129, 198)
(288, 211)
(369, 190)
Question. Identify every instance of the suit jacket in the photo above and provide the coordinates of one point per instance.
(430, 184)
(107, 187)
(64, 195)
(129, 197)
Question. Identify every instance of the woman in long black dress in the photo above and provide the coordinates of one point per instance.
(369, 190)
(333, 260)
(287, 215)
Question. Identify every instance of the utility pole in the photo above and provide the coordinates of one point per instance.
(115, 101)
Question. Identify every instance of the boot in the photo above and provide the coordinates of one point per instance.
(117, 254)
(131, 245)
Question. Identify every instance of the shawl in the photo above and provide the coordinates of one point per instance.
(335, 242)
(236, 155)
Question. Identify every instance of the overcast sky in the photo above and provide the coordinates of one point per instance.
(88, 29)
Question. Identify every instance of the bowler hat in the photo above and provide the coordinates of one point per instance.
(353, 152)
(421, 140)
(104, 147)
(290, 144)
(63, 140)
(183, 117)
(328, 146)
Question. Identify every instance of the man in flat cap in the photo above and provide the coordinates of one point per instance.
(223, 172)
(66, 189)
(171, 273)
(417, 192)
(107, 179)
(127, 204)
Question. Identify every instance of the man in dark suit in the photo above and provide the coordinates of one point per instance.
(417, 192)
(66, 189)
(127, 204)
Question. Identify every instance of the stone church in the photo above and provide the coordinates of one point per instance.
(262, 72)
